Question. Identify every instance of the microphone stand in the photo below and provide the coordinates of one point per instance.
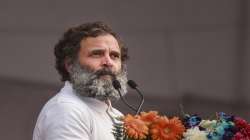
(133, 85)
(117, 86)
(142, 100)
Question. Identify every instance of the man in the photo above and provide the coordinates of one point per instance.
(88, 58)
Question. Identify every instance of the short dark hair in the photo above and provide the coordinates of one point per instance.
(69, 45)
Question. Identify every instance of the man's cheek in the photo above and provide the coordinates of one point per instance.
(88, 68)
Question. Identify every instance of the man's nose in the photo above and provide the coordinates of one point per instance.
(107, 61)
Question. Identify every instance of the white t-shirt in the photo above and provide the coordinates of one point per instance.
(67, 116)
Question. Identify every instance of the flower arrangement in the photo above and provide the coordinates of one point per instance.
(152, 126)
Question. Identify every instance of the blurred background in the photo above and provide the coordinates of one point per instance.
(194, 53)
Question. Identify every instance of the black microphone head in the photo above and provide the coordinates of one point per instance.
(116, 84)
(132, 84)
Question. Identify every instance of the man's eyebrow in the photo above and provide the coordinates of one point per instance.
(102, 50)
(115, 52)
(97, 49)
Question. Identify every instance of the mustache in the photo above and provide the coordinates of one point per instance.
(104, 71)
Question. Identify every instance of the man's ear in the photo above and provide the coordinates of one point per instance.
(68, 64)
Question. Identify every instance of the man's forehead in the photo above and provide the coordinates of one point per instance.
(101, 43)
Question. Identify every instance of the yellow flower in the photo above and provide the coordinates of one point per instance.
(167, 129)
(195, 134)
(134, 127)
(208, 124)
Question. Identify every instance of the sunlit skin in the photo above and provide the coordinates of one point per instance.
(100, 52)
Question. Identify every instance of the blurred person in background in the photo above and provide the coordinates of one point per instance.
(88, 58)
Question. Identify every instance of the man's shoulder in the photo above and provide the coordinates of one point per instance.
(64, 108)
(63, 112)
(65, 102)
(66, 97)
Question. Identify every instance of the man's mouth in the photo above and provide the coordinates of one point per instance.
(105, 74)
(106, 77)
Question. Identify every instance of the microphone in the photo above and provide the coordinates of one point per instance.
(116, 84)
(133, 85)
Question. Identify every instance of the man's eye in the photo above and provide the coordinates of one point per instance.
(96, 54)
(115, 56)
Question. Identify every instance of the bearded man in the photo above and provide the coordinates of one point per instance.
(88, 58)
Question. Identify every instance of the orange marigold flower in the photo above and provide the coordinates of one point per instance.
(149, 117)
(167, 129)
(134, 127)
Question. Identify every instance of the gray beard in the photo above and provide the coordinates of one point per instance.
(89, 84)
